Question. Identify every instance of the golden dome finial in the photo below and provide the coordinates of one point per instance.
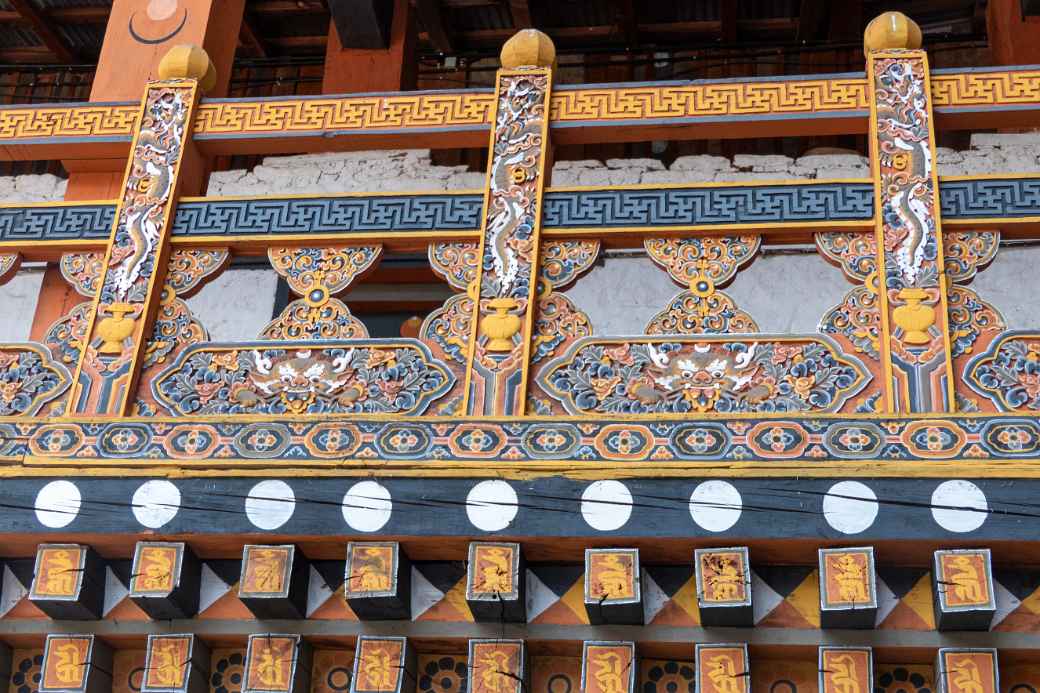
(891, 30)
(528, 48)
(188, 61)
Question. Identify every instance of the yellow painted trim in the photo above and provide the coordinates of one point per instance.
(940, 260)
(278, 240)
(879, 239)
(708, 184)
(313, 195)
(759, 228)
(567, 418)
(593, 469)
(57, 203)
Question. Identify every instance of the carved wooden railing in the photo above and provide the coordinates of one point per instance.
(909, 339)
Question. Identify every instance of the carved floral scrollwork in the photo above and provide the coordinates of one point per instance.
(965, 253)
(709, 374)
(716, 258)
(355, 377)
(1008, 372)
(29, 379)
(82, 271)
(855, 253)
(702, 264)
(858, 318)
(690, 313)
(317, 274)
(970, 318)
(455, 262)
(9, 264)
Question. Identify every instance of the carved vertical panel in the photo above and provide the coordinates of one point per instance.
(915, 344)
(500, 343)
(134, 267)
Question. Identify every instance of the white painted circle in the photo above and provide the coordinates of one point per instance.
(156, 502)
(850, 507)
(270, 504)
(716, 505)
(606, 505)
(57, 504)
(492, 505)
(367, 506)
(959, 506)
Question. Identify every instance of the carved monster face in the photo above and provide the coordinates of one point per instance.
(703, 372)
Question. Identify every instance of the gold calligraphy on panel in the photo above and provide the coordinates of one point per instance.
(608, 668)
(612, 575)
(371, 568)
(964, 576)
(491, 569)
(722, 669)
(847, 578)
(266, 570)
(497, 667)
(58, 571)
(167, 662)
(66, 662)
(154, 569)
(845, 670)
(378, 667)
(724, 577)
(968, 671)
(270, 663)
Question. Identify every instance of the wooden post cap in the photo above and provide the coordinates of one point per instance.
(188, 61)
(528, 48)
(891, 30)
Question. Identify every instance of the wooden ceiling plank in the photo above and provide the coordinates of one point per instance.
(43, 27)
(432, 18)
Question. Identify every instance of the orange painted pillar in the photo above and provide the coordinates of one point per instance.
(137, 36)
(1012, 38)
(354, 70)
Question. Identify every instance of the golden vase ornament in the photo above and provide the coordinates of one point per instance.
(914, 317)
(115, 328)
(500, 326)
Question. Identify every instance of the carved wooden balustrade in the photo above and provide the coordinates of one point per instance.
(908, 338)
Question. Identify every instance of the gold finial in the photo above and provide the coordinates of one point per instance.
(188, 61)
(528, 48)
(891, 30)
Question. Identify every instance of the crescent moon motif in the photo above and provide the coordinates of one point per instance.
(151, 42)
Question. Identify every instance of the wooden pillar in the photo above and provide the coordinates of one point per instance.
(137, 36)
(915, 344)
(162, 155)
(1012, 37)
(507, 276)
(354, 70)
